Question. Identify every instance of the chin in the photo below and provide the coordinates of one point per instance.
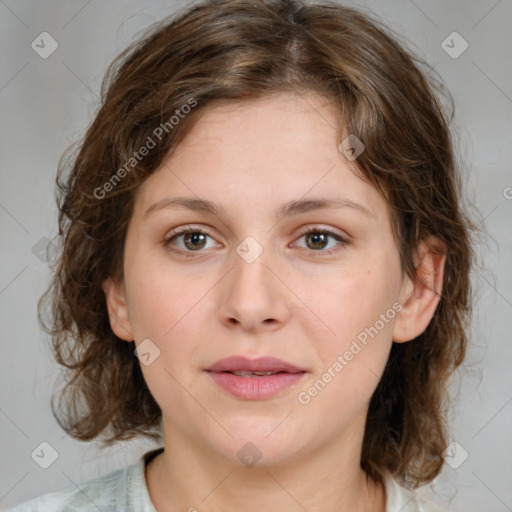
(263, 448)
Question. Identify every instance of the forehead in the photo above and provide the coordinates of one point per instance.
(260, 154)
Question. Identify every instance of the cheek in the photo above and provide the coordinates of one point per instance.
(160, 298)
(358, 309)
(174, 311)
(350, 302)
(168, 311)
(352, 360)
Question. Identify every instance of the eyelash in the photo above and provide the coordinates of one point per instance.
(323, 231)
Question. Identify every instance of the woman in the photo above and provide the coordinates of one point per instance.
(265, 264)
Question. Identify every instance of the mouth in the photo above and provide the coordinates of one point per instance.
(256, 379)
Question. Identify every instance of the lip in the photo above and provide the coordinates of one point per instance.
(260, 364)
(255, 387)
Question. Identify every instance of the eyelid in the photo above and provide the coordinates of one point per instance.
(324, 229)
(303, 231)
(189, 228)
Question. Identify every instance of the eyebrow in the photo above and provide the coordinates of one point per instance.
(288, 209)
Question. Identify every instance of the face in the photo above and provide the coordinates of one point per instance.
(304, 287)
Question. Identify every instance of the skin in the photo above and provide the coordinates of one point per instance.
(295, 301)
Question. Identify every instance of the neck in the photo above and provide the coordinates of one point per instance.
(186, 477)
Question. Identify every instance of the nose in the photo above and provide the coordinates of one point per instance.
(254, 296)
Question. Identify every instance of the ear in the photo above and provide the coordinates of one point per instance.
(117, 308)
(420, 297)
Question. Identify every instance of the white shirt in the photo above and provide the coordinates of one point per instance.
(126, 490)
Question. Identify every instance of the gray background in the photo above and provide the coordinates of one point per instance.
(46, 104)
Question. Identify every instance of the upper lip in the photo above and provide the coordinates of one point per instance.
(261, 364)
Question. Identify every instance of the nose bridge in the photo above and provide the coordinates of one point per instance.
(251, 276)
(254, 295)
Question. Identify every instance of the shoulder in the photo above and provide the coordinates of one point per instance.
(98, 493)
(401, 499)
(124, 489)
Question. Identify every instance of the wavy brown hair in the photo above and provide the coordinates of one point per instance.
(222, 51)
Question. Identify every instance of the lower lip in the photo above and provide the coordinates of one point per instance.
(255, 388)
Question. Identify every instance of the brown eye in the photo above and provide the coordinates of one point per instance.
(318, 239)
(193, 240)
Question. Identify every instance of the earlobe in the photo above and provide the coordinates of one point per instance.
(421, 295)
(117, 309)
